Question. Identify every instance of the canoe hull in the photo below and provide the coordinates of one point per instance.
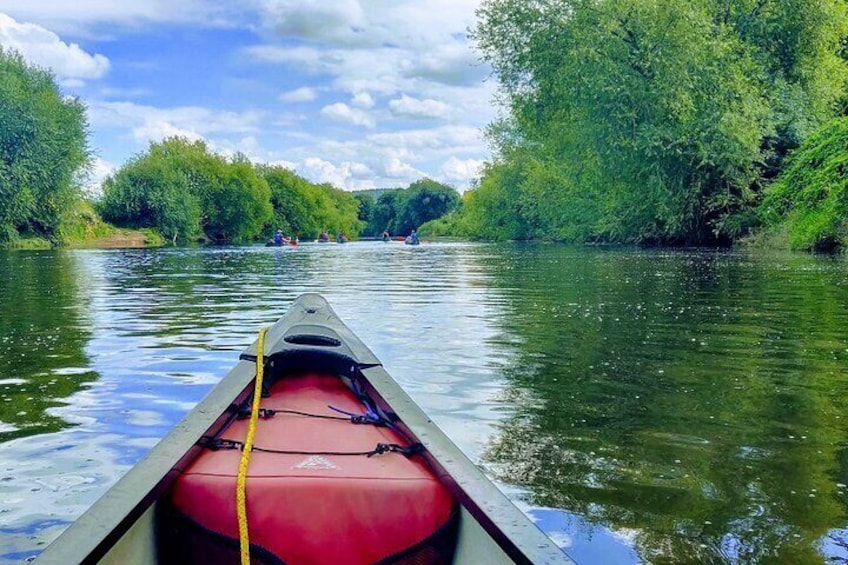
(122, 526)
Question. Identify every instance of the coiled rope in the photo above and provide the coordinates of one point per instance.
(241, 483)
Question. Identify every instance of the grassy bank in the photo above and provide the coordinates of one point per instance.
(84, 229)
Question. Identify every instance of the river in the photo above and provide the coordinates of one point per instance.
(642, 406)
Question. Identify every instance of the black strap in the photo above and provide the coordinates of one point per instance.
(216, 444)
(265, 413)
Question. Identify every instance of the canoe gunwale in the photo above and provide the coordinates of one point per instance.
(91, 537)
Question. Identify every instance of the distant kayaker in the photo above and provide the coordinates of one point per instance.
(324, 237)
(413, 238)
(386, 236)
(278, 237)
(341, 237)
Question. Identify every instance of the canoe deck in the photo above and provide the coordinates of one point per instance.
(165, 509)
(318, 488)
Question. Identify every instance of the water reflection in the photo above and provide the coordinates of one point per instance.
(642, 406)
(43, 333)
(694, 401)
(165, 325)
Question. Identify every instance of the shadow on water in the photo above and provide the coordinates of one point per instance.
(44, 328)
(690, 403)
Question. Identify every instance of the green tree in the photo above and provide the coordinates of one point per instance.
(43, 149)
(305, 209)
(343, 210)
(658, 121)
(401, 210)
(423, 201)
(810, 198)
(384, 213)
(241, 206)
(290, 200)
(366, 207)
(184, 191)
(147, 192)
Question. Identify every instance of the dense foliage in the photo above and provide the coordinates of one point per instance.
(399, 211)
(812, 192)
(305, 209)
(636, 120)
(186, 192)
(43, 150)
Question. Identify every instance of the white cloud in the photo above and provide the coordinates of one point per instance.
(445, 138)
(343, 113)
(71, 83)
(149, 123)
(302, 94)
(406, 45)
(396, 169)
(81, 16)
(248, 145)
(360, 23)
(362, 100)
(157, 130)
(410, 107)
(451, 63)
(43, 47)
(395, 158)
(342, 22)
(461, 171)
(115, 92)
(347, 174)
(100, 169)
(379, 63)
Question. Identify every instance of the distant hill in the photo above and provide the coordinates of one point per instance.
(374, 192)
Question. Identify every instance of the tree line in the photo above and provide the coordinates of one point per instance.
(677, 122)
(695, 122)
(178, 187)
(398, 211)
(188, 193)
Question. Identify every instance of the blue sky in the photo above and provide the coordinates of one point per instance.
(358, 93)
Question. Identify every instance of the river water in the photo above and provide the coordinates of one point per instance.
(640, 406)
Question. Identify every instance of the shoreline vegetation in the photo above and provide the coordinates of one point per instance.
(678, 123)
(177, 192)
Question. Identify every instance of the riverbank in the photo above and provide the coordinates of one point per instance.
(85, 229)
(119, 238)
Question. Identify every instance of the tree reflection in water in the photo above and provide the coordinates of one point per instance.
(44, 330)
(694, 400)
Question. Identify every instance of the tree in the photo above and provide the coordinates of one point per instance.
(384, 213)
(366, 206)
(43, 149)
(423, 201)
(305, 209)
(811, 195)
(661, 121)
(401, 210)
(147, 192)
(241, 206)
(184, 191)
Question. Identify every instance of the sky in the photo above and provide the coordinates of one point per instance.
(358, 93)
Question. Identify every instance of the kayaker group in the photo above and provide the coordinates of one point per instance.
(279, 239)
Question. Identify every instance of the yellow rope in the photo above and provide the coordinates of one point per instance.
(241, 484)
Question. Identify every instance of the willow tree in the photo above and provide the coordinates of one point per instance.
(183, 190)
(659, 121)
(305, 209)
(43, 149)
